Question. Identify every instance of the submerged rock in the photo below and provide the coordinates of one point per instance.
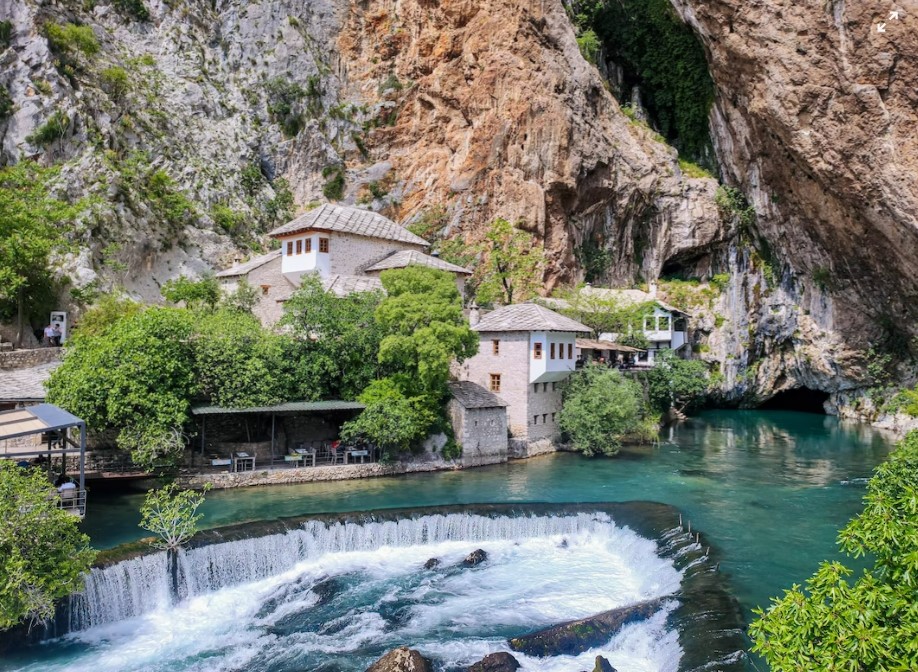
(401, 659)
(476, 557)
(496, 662)
(603, 665)
(431, 563)
(578, 636)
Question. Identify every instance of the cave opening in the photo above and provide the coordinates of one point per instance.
(801, 399)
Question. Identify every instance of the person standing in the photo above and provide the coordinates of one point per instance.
(48, 339)
(56, 335)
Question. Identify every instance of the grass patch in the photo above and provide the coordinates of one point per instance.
(692, 170)
(52, 130)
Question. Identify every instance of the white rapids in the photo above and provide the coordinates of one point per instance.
(335, 597)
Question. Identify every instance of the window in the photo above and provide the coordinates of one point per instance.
(554, 387)
(495, 382)
(495, 347)
(323, 245)
(537, 350)
(535, 388)
(553, 417)
(289, 248)
(299, 247)
(544, 418)
(545, 387)
(535, 419)
(308, 245)
(663, 323)
(551, 350)
(570, 350)
(264, 289)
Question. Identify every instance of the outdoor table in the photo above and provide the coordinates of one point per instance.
(243, 462)
(362, 454)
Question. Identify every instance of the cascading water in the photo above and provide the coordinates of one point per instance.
(335, 595)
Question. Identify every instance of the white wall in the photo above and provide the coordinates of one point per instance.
(547, 369)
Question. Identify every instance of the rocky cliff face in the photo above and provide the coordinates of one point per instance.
(816, 119)
(228, 110)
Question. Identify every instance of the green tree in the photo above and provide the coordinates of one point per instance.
(109, 309)
(32, 227)
(172, 515)
(600, 408)
(605, 312)
(137, 377)
(238, 363)
(43, 555)
(512, 265)
(337, 340)
(391, 421)
(870, 623)
(425, 329)
(204, 292)
(243, 299)
(677, 383)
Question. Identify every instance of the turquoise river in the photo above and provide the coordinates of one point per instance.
(769, 489)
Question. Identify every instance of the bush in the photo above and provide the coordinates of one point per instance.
(693, 170)
(54, 129)
(115, 82)
(43, 554)
(675, 382)
(283, 105)
(6, 103)
(391, 421)
(172, 515)
(203, 293)
(70, 38)
(391, 83)
(230, 222)
(590, 46)
(6, 34)
(334, 182)
(601, 408)
(134, 9)
(869, 623)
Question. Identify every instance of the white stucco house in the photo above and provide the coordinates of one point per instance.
(346, 247)
(525, 352)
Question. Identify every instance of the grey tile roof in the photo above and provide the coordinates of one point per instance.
(405, 258)
(528, 317)
(250, 265)
(473, 395)
(357, 221)
(342, 285)
(26, 384)
(287, 407)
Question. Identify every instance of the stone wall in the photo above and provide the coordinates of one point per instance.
(512, 363)
(272, 289)
(24, 359)
(543, 410)
(482, 432)
(350, 254)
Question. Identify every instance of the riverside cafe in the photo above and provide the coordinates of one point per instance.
(42, 437)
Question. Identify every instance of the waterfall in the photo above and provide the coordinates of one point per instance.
(143, 584)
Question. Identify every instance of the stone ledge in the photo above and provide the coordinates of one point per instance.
(25, 359)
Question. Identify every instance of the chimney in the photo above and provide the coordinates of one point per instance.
(474, 314)
(237, 259)
(435, 253)
(653, 289)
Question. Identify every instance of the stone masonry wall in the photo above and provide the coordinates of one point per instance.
(350, 254)
(513, 366)
(24, 359)
(482, 432)
(271, 286)
(544, 407)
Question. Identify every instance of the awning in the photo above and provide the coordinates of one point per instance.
(287, 407)
(590, 344)
(35, 420)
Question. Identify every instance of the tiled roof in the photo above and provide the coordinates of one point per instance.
(590, 344)
(528, 317)
(26, 384)
(629, 297)
(405, 258)
(473, 395)
(342, 285)
(250, 265)
(287, 407)
(357, 221)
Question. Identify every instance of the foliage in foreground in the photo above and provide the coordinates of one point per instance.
(43, 555)
(601, 408)
(605, 313)
(511, 266)
(172, 515)
(870, 623)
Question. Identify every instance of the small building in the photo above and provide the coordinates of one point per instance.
(479, 421)
(525, 352)
(346, 247)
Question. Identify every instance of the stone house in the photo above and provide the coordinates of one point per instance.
(347, 247)
(479, 421)
(525, 352)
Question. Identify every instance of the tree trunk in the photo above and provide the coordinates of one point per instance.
(19, 312)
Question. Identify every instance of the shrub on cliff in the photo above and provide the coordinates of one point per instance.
(870, 623)
(43, 555)
(511, 266)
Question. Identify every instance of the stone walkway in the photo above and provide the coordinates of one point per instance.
(25, 384)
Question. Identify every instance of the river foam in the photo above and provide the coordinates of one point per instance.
(335, 596)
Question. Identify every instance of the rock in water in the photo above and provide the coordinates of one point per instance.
(496, 662)
(578, 636)
(603, 665)
(433, 562)
(476, 557)
(401, 659)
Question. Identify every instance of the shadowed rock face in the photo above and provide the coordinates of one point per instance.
(496, 662)
(816, 119)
